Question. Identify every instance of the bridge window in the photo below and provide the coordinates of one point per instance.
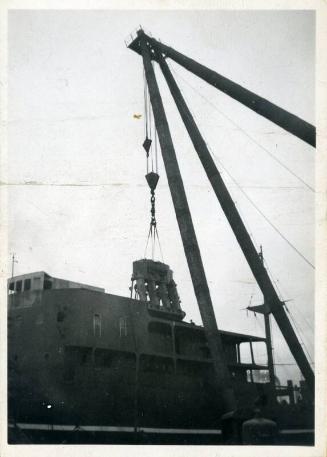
(122, 326)
(47, 284)
(190, 342)
(154, 364)
(194, 368)
(245, 352)
(19, 285)
(119, 361)
(261, 376)
(36, 282)
(12, 286)
(205, 351)
(75, 356)
(97, 325)
(260, 352)
(102, 358)
(27, 284)
(160, 337)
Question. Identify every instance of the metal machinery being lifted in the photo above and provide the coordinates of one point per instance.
(153, 50)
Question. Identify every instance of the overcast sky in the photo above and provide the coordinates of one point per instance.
(79, 203)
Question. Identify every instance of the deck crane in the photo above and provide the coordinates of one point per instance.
(151, 49)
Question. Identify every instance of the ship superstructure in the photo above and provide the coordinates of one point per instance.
(81, 357)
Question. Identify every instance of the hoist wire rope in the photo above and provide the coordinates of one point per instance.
(253, 204)
(147, 242)
(150, 237)
(150, 131)
(246, 133)
(156, 148)
(159, 244)
(153, 244)
(145, 95)
(153, 234)
(145, 118)
(148, 119)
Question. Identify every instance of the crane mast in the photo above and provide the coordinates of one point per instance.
(151, 49)
(187, 231)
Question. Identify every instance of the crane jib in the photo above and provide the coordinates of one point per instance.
(284, 119)
(154, 49)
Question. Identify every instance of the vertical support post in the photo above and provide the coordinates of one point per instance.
(13, 261)
(290, 390)
(238, 227)
(252, 360)
(252, 356)
(136, 392)
(266, 317)
(131, 288)
(173, 332)
(186, 228)
(137, 370)
(269, 350)
(238, 353)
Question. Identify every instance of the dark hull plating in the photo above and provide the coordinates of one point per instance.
(85, 365)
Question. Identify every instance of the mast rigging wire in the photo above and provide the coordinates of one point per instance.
(283, 294)
(250, 200)
(263, 215)
(246, 133)
(296, 325)
(299, 334)
(256, 207)
(156, 148)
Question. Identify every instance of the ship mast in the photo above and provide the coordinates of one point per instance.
(13, 261)
(265, 310)
(151, 49)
